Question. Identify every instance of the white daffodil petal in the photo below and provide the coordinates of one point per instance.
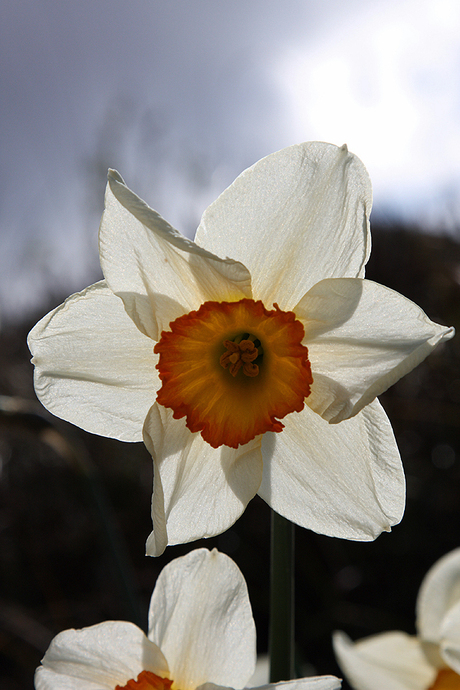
(213, 686)
(158, 273)
(450, 638)
(48, 680)
(361, 337)
(313, 683)
(93, 367)
(294, 218)
(185, 467)
(439, 592)
(201, 618)
(343, 480)
(391, 661)
(98, 658)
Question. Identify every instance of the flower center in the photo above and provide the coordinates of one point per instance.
(241, 353)
(233, 369)
(146, 680)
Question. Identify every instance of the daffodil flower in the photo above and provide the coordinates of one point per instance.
(202, 356)
(428, 661)
(201, 634)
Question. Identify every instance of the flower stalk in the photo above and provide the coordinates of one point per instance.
(281, 633)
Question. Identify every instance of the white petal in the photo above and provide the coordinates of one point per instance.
(294, 218)
(439, 592)
(158, 273)
(343, 480)
(450, 638)
(361, 337)
(391, 661)
(93, 367)
(313, 683)
(201, 618)
(45, 679)
(98, 658)
(199, 491)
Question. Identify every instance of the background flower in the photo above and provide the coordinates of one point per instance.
(201, 631)
(429, 660)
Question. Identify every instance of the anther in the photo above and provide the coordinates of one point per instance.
(240, 355)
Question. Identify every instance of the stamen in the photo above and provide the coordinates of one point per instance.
(240, 354)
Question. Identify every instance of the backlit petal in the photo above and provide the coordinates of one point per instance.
(391, 661)
(361, 337)
(313, 683)
(98, 658)
(199, 491)
(343, 480)
(93, 367)
(201, 618)
(157, 272)
(294, 218)
(439, 592)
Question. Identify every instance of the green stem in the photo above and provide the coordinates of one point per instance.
(281, 633)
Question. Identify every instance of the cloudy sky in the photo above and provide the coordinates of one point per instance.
(181, 95)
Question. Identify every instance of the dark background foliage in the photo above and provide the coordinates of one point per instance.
(75, 508)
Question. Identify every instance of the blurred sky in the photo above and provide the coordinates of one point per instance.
(181, 95)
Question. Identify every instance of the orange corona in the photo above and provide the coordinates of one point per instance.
(146, 680)
(233, 369)
(446, 680)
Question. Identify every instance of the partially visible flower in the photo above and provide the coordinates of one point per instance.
(202, 356)
(428, 661)
(201, 634)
